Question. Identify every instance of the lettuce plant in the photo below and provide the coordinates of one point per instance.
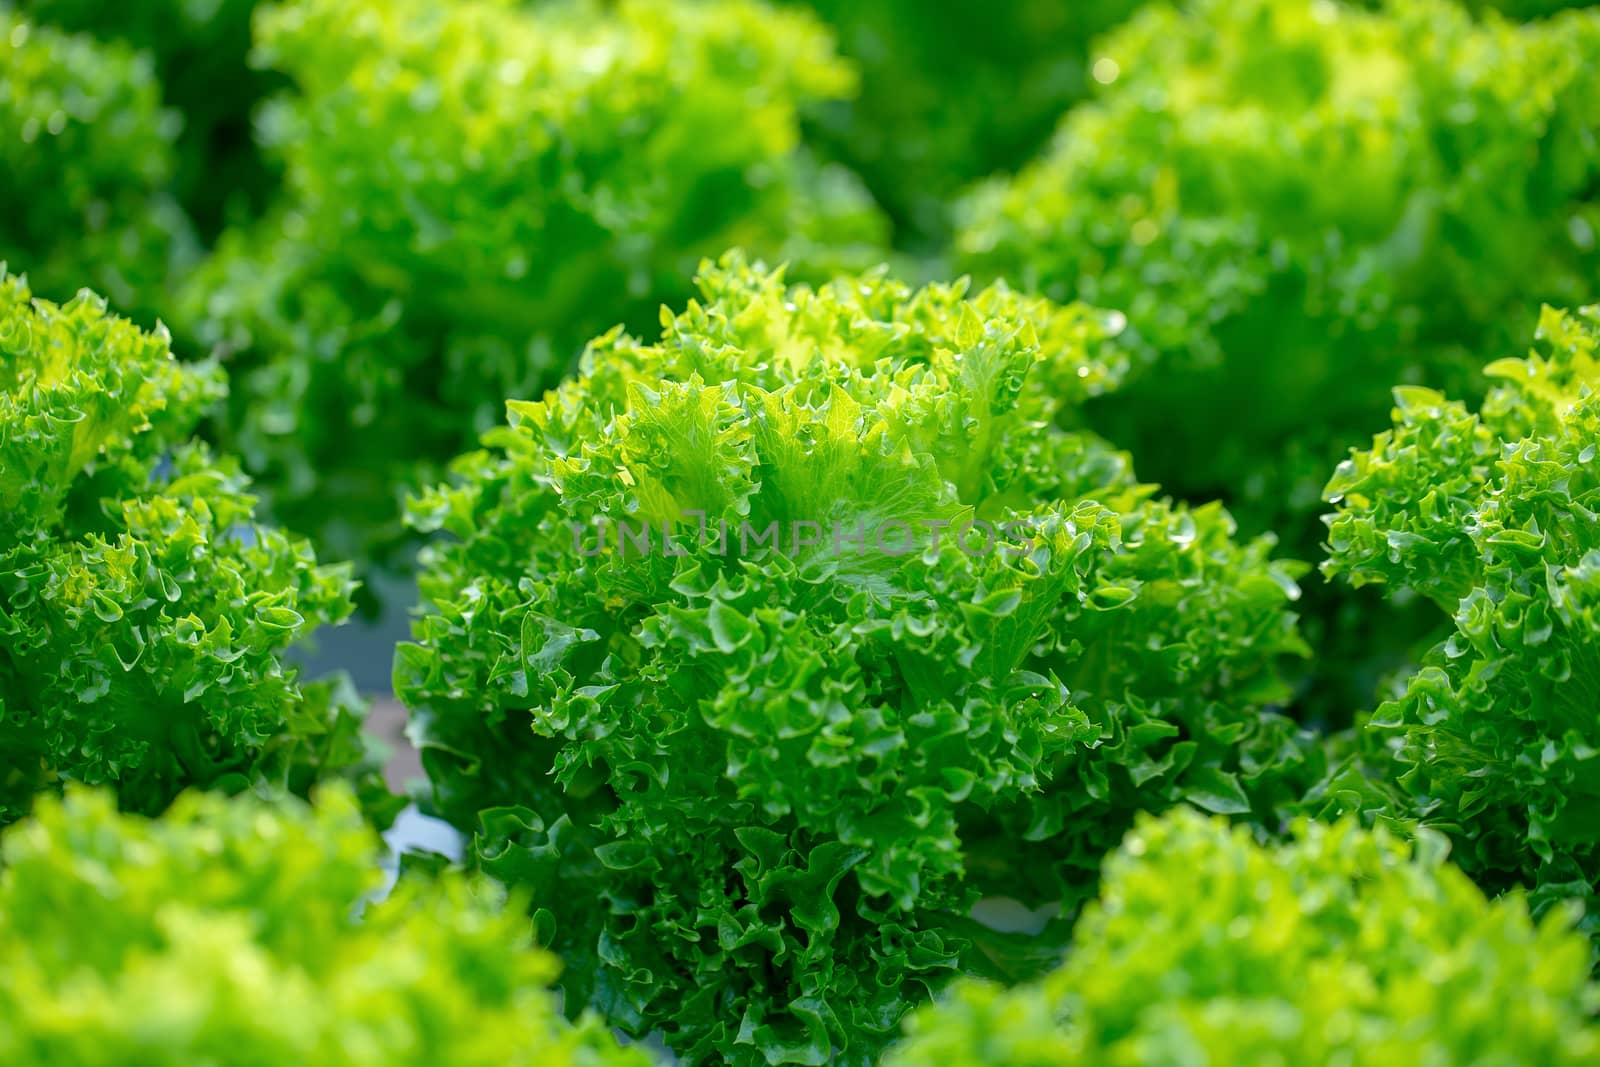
(1492, 517)
(144, 614)
(1342, 946)
(239, 931)
(474, 190)
(86, 157)
(199, 49)
(951, 93)
(764, 651)
(1298, 204)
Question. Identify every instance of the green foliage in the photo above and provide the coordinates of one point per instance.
(199, 49)
(1525, 9)
(473, 191)
(1299, 204)
(238, 932)
(953, 92)
(707, 664)
(143, 613)
(1344, 946)
(1492, 516)
(86, 154)
(760, 783)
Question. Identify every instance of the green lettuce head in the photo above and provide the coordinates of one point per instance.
(765, 651)
(244, 932)
(144, 613)
(1299, 204)
(1341, 946)
(1493, 516)
(199, 50)
(86, 160)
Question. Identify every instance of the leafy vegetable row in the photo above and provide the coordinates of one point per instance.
(752, 784)
(797, 624)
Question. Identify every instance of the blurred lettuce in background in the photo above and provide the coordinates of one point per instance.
(88, 156)
(199, 51)
(474, 189)
(953, 92)
(1298, 205)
